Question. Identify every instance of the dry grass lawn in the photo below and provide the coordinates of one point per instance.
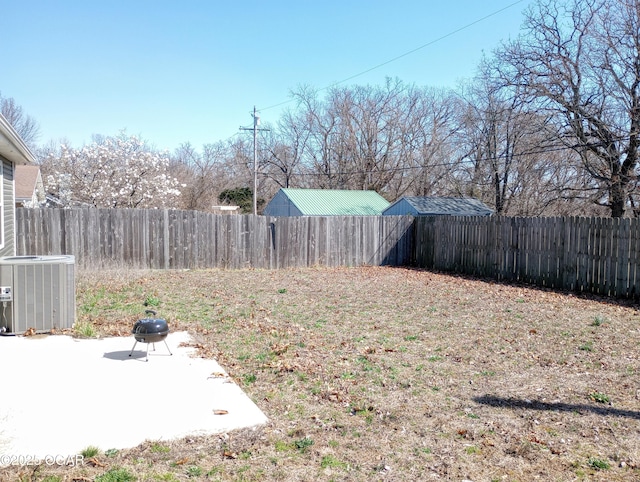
(386, 374)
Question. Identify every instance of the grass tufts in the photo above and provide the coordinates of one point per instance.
(85, 330)
(116, 474)
(599, 397)
(90, 451)
(599, 464)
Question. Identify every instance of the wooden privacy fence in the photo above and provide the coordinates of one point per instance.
(163, 239)
(595, 255)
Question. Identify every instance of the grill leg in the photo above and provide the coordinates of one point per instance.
(165, 344)
(134, 347)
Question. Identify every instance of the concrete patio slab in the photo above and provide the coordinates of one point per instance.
(59, 395)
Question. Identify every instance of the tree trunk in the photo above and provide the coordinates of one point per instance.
(617, 197)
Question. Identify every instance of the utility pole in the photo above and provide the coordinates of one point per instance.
(255, 129)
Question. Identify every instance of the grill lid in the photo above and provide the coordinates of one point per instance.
(150, 326)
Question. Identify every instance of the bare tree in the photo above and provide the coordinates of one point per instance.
(283, 149)
(24, 124)
(238, 168)
(502, 157)
(218, 167)
(324, 161)
(579, 61)
(196, 172)
(394, 139)
(372, 124)
(429, 133)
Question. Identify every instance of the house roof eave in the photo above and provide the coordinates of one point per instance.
(12, 147)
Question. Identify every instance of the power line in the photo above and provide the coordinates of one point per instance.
(428, 44)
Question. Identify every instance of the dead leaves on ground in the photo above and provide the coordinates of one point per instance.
(204, 351)
(278, 350)
(95, 462)
(222, 376)
(227, 454)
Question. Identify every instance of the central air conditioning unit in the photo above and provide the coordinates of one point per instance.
(37, 292)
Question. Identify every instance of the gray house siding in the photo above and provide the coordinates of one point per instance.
(13, 151)
(9, 209)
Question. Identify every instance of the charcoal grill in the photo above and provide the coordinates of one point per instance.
(150, 331)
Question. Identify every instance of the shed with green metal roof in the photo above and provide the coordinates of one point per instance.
(325, 202)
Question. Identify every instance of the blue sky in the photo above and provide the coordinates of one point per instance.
(192, 70)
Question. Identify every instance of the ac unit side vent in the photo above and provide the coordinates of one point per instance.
(43, 290)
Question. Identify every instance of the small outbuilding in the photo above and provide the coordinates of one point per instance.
(29, 186)
(325, 202)
(225, 210)
(437, 206)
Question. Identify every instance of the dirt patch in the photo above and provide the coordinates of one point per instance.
(387, 374)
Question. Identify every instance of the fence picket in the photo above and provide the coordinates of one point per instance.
(622, 259)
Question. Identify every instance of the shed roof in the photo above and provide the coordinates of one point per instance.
(427, 205)
(336, 202)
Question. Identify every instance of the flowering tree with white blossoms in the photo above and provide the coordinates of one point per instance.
(116, 172)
